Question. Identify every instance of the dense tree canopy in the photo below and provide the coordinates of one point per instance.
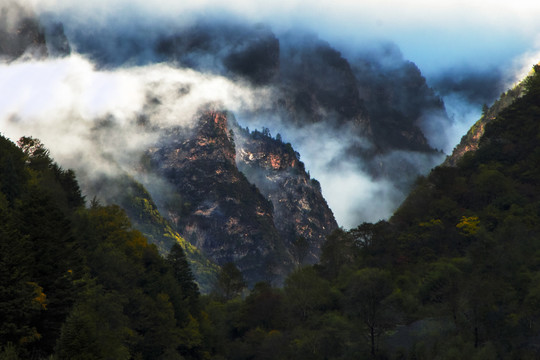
(454, 274)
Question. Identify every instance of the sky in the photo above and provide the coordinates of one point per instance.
(433, 34)
(469, 51)
(458, 45)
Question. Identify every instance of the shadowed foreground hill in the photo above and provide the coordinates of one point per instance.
(453, 274)
(79, 282)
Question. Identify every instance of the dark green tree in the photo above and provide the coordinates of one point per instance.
(338, 250)
(21, 300)
(96, 328)
(367, 298)
(13, 174)
(306, 294)
(183, 274)
(230, 282)
(300, 249)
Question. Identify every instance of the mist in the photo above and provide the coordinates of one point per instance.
(100, 122)
(99, 108)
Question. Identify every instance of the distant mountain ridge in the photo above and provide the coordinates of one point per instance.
(471, 140)
(243, 196)
(226, 215)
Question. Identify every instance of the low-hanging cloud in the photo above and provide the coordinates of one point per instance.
(432, 34)
(91, 116)
(458, 46)
(92, 120)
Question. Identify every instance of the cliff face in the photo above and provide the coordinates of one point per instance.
(300, 211)
(471, 140)
(318, 85)
(398, 101)
(19, 32)
(220, 212)
(241, 197)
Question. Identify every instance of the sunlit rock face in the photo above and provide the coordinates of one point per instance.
(300, 211)
(471, 140)
(242, 197)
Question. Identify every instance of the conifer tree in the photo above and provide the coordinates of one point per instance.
(183, 274)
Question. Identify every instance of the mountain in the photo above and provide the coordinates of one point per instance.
(23, 34)
(131, 195)
(452, 274)
(469, 235)
(224, 214)
(211, 184)
(300, 211)
(471, 140)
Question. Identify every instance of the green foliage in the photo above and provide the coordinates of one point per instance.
(367, 297)
(338, 250)
(454, 274)
(306, 294)
(183, 275)
(80, 283)
(9, 352)
(96, 328)
(230, 282)
(146, 217)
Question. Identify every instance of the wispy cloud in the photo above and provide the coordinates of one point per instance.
(91, 117)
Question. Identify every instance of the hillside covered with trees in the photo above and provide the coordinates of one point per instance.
(454, 274)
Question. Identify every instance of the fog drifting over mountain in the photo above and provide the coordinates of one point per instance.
(88, 113)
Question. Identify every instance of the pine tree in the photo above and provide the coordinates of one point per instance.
(183, 274)
(230, 282)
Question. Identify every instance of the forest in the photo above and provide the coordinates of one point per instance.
(453, 274)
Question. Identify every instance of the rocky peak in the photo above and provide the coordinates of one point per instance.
(241, 197)
(471, 140)
(300, 211)
(20, 32)
(216, 208)
(213, 139)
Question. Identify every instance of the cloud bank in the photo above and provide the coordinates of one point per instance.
(98, 117)
(466, 42)
(98, 121)
(433, 34)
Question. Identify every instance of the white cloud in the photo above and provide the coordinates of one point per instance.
(62, 101)
(88, 118)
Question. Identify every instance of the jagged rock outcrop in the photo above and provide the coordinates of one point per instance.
(241, 197)
(221, 213)
(471, 140)
(20, 32)
(300, 211)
